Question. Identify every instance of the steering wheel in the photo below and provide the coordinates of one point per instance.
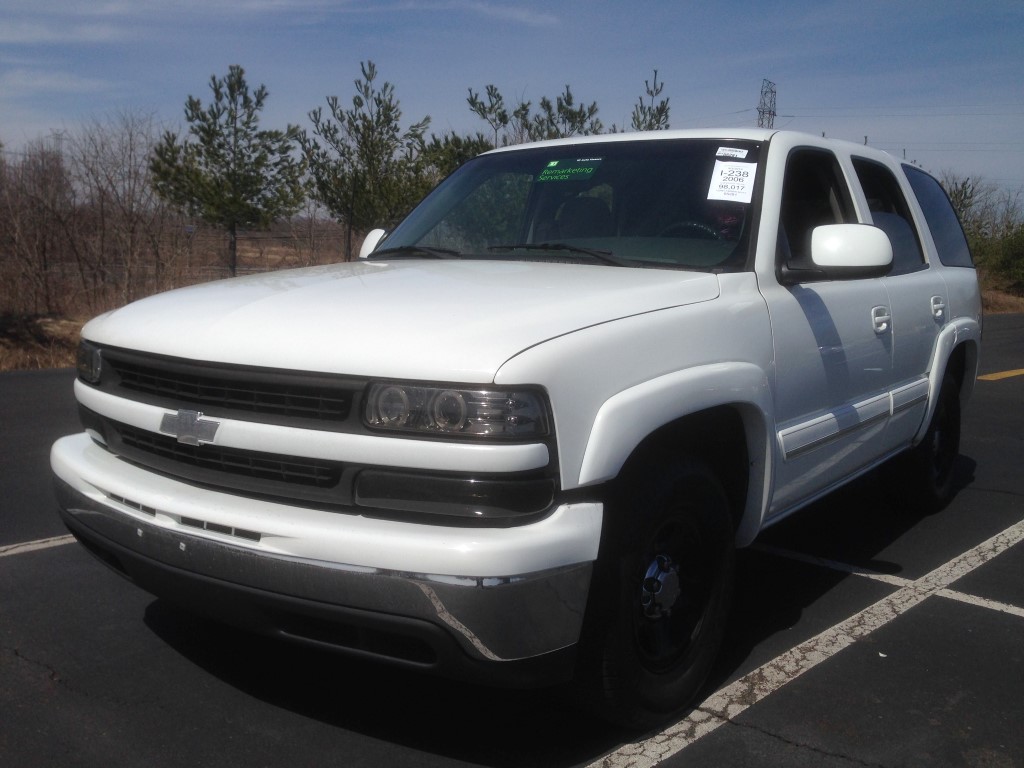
(700, 231)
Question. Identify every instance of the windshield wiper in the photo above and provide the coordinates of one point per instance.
(414, 251)
(605, 257)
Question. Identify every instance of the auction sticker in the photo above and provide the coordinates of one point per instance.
(735, 152)
(732, 181)
(570, 170)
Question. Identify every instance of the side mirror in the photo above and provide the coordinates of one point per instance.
(851, 250)
(371, 241)
(843, 252)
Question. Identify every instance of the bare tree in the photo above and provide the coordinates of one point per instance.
(993, 220)
(36, 210)
(126, 244)
(985, 209)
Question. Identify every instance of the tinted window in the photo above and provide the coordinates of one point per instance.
(813, 193)
(947, 233)
(891, 214)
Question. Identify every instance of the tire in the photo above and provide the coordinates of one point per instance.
(665, 591)
(926, 472)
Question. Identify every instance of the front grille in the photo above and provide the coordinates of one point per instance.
(302, 400)
(438, 498)
(229, 389)
(138, 444)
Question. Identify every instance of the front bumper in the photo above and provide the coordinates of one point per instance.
(479, 618)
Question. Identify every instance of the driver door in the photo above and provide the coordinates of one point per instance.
(833, 344)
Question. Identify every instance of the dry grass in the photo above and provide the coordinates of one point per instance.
(30, 343)
(998, 302)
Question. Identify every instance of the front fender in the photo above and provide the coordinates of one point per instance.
(628, 417)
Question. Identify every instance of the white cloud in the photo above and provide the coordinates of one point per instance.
(49, 32)
(20, 83)
(511, 12)
(506, 11)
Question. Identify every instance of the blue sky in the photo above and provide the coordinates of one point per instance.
(941, 81)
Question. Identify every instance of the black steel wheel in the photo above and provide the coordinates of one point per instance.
(926, 473)
(667, 586)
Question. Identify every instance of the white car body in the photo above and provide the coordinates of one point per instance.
(824, 380)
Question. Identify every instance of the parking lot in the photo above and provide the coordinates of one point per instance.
(862, 635)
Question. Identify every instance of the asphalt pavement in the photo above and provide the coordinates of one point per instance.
(862, 635)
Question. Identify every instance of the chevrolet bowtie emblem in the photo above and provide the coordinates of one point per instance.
(189, 427)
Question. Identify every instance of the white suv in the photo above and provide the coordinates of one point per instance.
(520, 439)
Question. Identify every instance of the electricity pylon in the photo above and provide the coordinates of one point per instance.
(766, 109)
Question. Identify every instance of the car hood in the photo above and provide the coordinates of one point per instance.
(439, 320)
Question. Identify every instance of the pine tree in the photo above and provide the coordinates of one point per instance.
(228, 171)
(366, 170)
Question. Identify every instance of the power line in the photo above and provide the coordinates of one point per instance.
(860, 116)
(911, 106)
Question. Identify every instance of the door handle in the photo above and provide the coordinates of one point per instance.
(938, 308)
(881, 319)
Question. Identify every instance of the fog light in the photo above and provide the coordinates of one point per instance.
(89, 362)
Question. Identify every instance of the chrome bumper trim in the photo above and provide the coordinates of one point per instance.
(491, 619)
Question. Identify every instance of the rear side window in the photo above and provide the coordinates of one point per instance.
(891, 214)
(947, 233)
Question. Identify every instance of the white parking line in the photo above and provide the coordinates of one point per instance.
(834, 565)
(729, 702)
(32, 546)
(981, 602)
(896, 581)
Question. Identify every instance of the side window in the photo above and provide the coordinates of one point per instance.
(891, 214)
(814, 193)
(947, 233)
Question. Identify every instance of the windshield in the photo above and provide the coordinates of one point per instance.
(674, 203)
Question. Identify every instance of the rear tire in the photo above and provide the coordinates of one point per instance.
(664, 592)
(926, 472)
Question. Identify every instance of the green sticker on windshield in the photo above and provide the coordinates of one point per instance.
(569, 170)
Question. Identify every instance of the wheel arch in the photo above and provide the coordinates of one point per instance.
(956, 354)
(719, 414)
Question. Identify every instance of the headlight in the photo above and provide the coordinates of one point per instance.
(89, 362)
(496, 413)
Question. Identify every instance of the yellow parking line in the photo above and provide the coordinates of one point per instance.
(1001, 375)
